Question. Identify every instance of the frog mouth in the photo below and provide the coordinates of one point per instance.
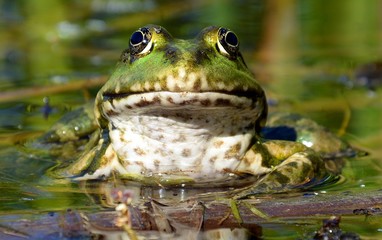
(111, 96)
(187, 106)
(114, 103)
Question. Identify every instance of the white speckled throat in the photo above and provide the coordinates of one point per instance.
(199, 135)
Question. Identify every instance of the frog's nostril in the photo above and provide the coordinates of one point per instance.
(201, 55)
(172, 54)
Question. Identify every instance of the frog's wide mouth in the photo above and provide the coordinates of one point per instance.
(165, 99)
(115, 96)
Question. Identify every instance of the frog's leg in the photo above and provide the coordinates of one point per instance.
(75, 167)
(294, 127)
(67, 137)
(72, 126)
(97, 161)
(283, 165)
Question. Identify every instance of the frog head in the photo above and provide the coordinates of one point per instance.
(157, 62)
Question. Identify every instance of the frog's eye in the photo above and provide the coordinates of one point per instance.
(140, 41)
(228, 43)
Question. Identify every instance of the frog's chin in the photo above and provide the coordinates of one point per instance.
(198, 135)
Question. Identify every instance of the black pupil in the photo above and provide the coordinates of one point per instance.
(136, 38)
(231, 39)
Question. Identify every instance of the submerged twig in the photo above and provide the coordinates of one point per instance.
(346, 120)
(22, 93)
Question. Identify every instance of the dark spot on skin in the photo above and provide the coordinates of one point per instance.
(293, 164)
(247, 161)
(121, 138)
(218, 144)
(186, 152)
(163, 153)
(228, 170)
(139, 151)
(143, 103)
(197, 85)
(239, 105)
(306, 167)
(187, 102)
(201, 55)
(112, 113)
(178, 115)
(128, 107)
(125, 163)
(233, 151)
(205, 102)
(156, 100)
(181, 138)
(249, 127)
(213, 159)
(139, 163)
(222, 102)
(156, 162)
(172, 54)
(133, 58)
(125, 55)
(170, 100)
(280, 178)
(198, 162)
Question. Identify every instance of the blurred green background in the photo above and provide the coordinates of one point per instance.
(305, 53)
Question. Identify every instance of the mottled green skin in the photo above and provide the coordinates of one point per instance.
(198, 55)
(286, 164)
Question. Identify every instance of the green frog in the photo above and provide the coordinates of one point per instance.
(189, 111)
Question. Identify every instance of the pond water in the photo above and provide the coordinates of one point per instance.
(305, 54)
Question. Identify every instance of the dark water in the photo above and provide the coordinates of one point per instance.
(305, 53)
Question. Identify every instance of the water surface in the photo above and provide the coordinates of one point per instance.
(303, 52)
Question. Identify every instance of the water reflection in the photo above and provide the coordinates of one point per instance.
(302, 48)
